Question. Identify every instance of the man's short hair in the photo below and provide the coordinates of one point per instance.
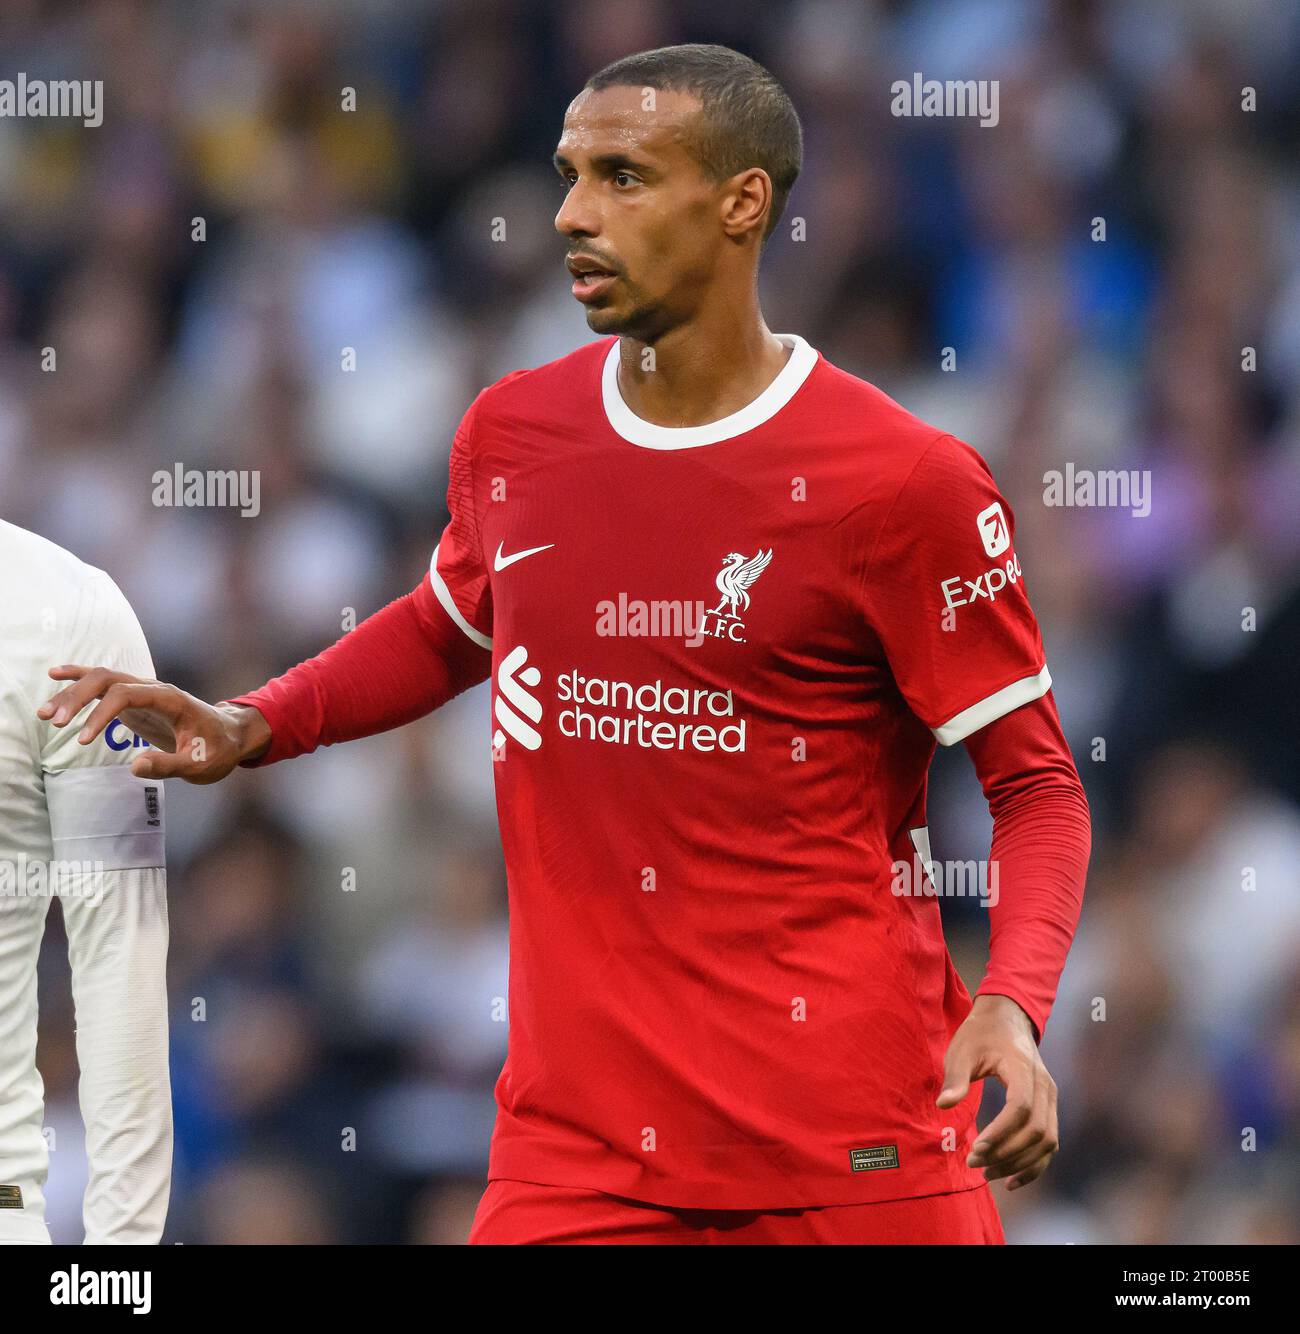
(747, 118)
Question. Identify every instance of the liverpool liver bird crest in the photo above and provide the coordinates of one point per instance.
(735, 580)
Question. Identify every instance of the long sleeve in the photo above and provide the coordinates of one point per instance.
(396, 666)
(107, 834)
(117, 946)
(1041, 842)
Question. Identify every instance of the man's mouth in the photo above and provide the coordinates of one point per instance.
(590, 278)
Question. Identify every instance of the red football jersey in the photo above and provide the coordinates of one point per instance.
(721, 657)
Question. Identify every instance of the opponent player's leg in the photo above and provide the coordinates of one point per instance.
(117, 946)
(24, 1154)
(518, 1213)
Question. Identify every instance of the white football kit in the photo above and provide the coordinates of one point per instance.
(74, 820)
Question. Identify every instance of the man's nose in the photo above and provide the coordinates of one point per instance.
(577, 215)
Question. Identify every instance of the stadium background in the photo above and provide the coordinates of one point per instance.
(324, 1009)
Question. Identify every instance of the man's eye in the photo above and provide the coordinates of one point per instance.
(623, 178)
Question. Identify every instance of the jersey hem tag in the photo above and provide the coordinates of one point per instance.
(874, 1159)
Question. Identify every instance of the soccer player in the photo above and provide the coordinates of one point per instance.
(729, 597)
(76, 822)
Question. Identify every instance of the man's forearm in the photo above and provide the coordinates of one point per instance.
(396, 666)
(1041, 844)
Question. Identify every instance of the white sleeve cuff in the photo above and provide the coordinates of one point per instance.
(106, 814)
(995, 706)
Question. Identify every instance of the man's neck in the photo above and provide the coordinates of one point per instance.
(695, 375)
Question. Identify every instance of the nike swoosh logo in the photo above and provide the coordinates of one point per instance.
(501, 561)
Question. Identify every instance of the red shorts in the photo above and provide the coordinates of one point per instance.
(515, 1213)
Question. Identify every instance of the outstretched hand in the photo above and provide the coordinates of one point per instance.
(188, 738)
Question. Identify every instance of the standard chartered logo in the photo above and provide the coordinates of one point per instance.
(513, 700)
(651, 714)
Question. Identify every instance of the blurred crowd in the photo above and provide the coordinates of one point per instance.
(200, 262)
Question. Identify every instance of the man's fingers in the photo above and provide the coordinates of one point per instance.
(89, 683)
(1015, 1116)
(1010, 1148)
(1028, 1166)
(958, 1068)
(164, 764)
(1010, 1143)
(58, 707)
(953, 1092)
(149, 724)
(1031, 1173)
(180, 763)
(122, 696)
(1043, 1146)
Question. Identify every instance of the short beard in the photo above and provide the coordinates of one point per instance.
(645, 323)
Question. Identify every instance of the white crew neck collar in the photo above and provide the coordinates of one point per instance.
(632, 428)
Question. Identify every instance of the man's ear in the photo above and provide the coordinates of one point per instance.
(747, 203)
